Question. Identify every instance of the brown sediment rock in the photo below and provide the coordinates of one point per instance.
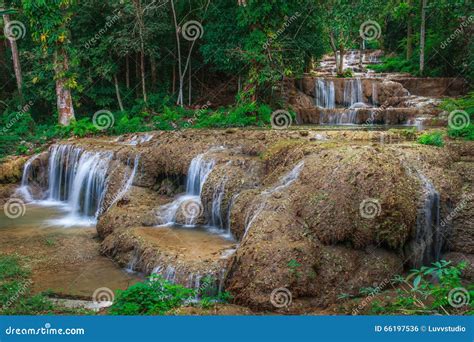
(11, 169)
(309, 235)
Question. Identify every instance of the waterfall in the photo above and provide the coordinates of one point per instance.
(24, 189)
(89, 183)
(78, 179)
(217, 198)
(127, 183)
(375, 96)
(429, 239)
(426, 245)
(261, 201)
(63, 162)
(190, 203)
(325, 94)
(198, 172)
(353, 92)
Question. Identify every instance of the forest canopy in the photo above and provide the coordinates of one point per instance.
(151, 62)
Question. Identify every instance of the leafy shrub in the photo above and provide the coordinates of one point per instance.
(428, 291)
(126, 124)
(347, 73)
(465, 104)
(396, 64)
(156, 296)
(434, 139)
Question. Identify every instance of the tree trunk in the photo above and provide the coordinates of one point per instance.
(410, 32)
(340, 68)
(16, 59)
(174, 79)
(142, 68)
(63, 94)
(422, 37)
(117, 92)
(127, 71)
(332, 42)
(137, 74)
(190, 86)
(180, 100)
(154, 77)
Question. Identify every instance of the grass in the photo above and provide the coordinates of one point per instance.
(157, 296)
(16, 297)
(433, 139)
(430, 290)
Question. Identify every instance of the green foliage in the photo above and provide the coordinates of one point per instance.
(244, 114)
(153, 297)
(15, 291)
(434, 139)
(463, 104)
(398, 64)
(427, 291)
(346, 74)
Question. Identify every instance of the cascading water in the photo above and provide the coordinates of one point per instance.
(429, 239)
(325, 94)
(198, 172)
(24, 189)
(353, 92)
(216, 212)
(426, 245)
(89, 182)
(375, 96)
(259, 205)
(77, 179)
(190, 203)
(127, 182)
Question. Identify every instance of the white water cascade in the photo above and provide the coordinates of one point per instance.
(353, 92)
(190, 203)
(261, 201)
(24, 189)
(79, 179)
(325, 94)
(429, 239)
(427, 243)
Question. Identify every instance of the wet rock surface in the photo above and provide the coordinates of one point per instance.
(317, 212)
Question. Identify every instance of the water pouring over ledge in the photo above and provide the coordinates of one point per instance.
(187, 209)
(77, 182)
